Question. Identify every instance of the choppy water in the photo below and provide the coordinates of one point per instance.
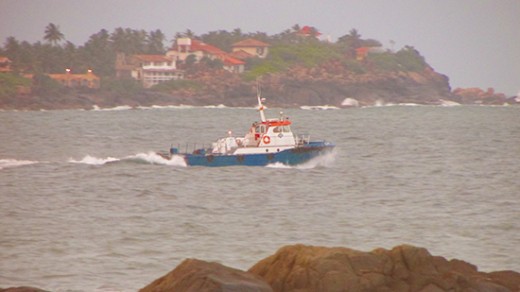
(86, 206)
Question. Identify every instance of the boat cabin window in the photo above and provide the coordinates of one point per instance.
(285, 129)
(260, 129)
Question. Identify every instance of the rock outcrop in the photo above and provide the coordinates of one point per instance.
(328, 84)
(22, 289)
(200, 276)
(403, 268)
(301, 268)
(478, 96)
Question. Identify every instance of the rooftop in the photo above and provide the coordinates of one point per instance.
(250, 43)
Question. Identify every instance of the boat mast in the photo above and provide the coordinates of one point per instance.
(260, 105)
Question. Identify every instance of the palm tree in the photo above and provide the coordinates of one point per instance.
(155, 42)
(53, 34)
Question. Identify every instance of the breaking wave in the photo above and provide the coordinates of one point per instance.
(91, 160)
(146, 158)
(6, 163)
(325, 160)
(117, 108)
(154, 158)
(319, 107)
(181, 106)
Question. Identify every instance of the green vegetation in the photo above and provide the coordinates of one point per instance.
(9, 84)
(410, 59)
(43, 85)
(406, 59)
(97, 54)
(174, 85)
(287, 49)
(121, 87)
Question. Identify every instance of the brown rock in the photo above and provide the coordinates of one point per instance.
(200, 276)
(404, 268)
(22, 289)
(477, 95)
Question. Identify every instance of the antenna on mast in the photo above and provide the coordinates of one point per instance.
(260, 105)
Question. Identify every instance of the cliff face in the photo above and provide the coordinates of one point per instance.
(328, 84)
(318, 87)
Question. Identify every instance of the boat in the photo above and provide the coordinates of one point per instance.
(268, 141)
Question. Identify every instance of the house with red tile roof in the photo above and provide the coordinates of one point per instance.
(233, 65)
(307, 31)
(252, 47)
(185, 47)
(150, 70)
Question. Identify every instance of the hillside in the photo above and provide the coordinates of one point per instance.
(300, 70)
(298, 86)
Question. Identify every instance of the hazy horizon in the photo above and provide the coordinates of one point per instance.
(475, 43)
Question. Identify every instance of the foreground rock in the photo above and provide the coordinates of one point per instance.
(195, 275)
(404, 268)
(310, 268)
(22, 289)
(301, 268)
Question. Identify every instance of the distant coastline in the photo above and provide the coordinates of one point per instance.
(294, 68)
(293, 89)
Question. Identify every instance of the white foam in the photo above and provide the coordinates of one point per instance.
(154, 158)
(6, 163)
(150, 158)
(325, 160)
(448, 103)
(279, 165)
(319, 107)
(181, 106)
(409, 104)
(117, 108)
(215, 106)
(91, 160)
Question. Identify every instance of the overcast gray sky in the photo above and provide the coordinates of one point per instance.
(476, 43)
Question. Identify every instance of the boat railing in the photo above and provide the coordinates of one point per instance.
(188, 148)
(303, 139)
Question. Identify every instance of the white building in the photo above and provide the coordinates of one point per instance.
(150, 70)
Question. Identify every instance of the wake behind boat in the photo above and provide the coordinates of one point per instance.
(268, 141)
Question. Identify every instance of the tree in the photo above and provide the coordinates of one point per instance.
(12, 51)
(410, 59)
(352, 40)
(187, 34)
(98, 53)
(129, 41)
(53, 34)
(155, 42)
(43, 85)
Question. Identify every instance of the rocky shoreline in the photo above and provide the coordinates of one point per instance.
(313, 268)
(329, 84)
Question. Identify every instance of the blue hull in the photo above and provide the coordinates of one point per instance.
(293, 156)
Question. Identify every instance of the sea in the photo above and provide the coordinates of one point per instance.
(86, 204)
